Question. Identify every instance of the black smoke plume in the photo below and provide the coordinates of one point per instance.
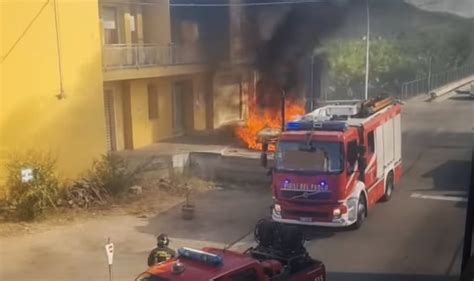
(280, 58)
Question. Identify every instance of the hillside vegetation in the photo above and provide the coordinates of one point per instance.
(407, 43)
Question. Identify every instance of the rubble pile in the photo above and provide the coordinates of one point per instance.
(85, 194)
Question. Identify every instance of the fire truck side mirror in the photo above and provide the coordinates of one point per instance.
(264, 159)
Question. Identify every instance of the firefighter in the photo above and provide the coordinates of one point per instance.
(162, 252)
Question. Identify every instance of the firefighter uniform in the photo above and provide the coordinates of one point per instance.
(162, 252)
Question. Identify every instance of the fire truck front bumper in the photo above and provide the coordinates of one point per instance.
(342, 215)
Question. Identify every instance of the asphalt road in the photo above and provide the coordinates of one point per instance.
(418, 234)
(415, 236)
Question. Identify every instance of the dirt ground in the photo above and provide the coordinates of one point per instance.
(153, 200)
(75, 251)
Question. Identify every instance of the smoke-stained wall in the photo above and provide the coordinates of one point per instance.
(212, 25)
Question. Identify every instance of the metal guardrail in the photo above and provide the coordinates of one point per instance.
(405, 90)
(121, 56)
(426, 84)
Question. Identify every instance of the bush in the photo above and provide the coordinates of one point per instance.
(114, 174)
(32, 198)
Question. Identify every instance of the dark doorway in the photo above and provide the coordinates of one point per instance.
(182, 107)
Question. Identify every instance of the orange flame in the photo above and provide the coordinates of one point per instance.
(268, 118)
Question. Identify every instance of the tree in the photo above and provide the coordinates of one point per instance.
(441, 47)
(347, 63)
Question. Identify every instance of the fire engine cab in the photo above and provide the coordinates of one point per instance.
(333, 164)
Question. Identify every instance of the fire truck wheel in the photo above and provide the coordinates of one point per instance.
(388, 188)
(361, 212)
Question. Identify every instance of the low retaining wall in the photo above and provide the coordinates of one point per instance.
(216, 167)
(450, 87)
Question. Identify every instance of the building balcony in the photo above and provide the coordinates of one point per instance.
(125, 61)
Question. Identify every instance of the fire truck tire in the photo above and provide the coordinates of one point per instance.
(361, 212)
(389, 185)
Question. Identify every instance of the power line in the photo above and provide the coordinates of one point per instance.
(246, 4)
(287, 2)
(25, 30)
(58, 45)
(210, 5)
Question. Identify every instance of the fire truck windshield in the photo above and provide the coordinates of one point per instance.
(323, 157)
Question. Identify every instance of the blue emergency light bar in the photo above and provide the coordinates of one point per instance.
(200, 256)
(311, 125)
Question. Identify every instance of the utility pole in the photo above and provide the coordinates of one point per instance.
(283, 107)
(312, 82)
(367, 52)
(429, 72)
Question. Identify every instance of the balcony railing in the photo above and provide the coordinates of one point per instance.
(121, 56)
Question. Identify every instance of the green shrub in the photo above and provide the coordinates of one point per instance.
(113, 173)
(32, 198)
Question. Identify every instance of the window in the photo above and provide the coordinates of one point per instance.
(110, 25)
(135, 28)
(153, 102)
(371, 142)
(322, 157)
(351, 155)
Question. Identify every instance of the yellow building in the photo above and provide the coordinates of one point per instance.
(153, 88)
(51, 92)
(80, 78)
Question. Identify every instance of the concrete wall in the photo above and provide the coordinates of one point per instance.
(146, 131)
(31, 115)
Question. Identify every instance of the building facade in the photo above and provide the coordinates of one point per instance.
(82, 78)
(154, 89)
(51, 87)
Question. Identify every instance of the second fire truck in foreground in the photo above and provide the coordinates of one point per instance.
(333, 164)
(279, 256)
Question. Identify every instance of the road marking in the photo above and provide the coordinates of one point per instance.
(439, 197)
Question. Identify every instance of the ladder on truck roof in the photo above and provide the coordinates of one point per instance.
(346, 110)
(332, 117)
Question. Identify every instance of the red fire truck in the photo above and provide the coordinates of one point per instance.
(333, 164)
(279, 256)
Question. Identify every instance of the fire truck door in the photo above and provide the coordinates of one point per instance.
(370, 171)
(398, 138)
(388, 143)
(379, 151)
